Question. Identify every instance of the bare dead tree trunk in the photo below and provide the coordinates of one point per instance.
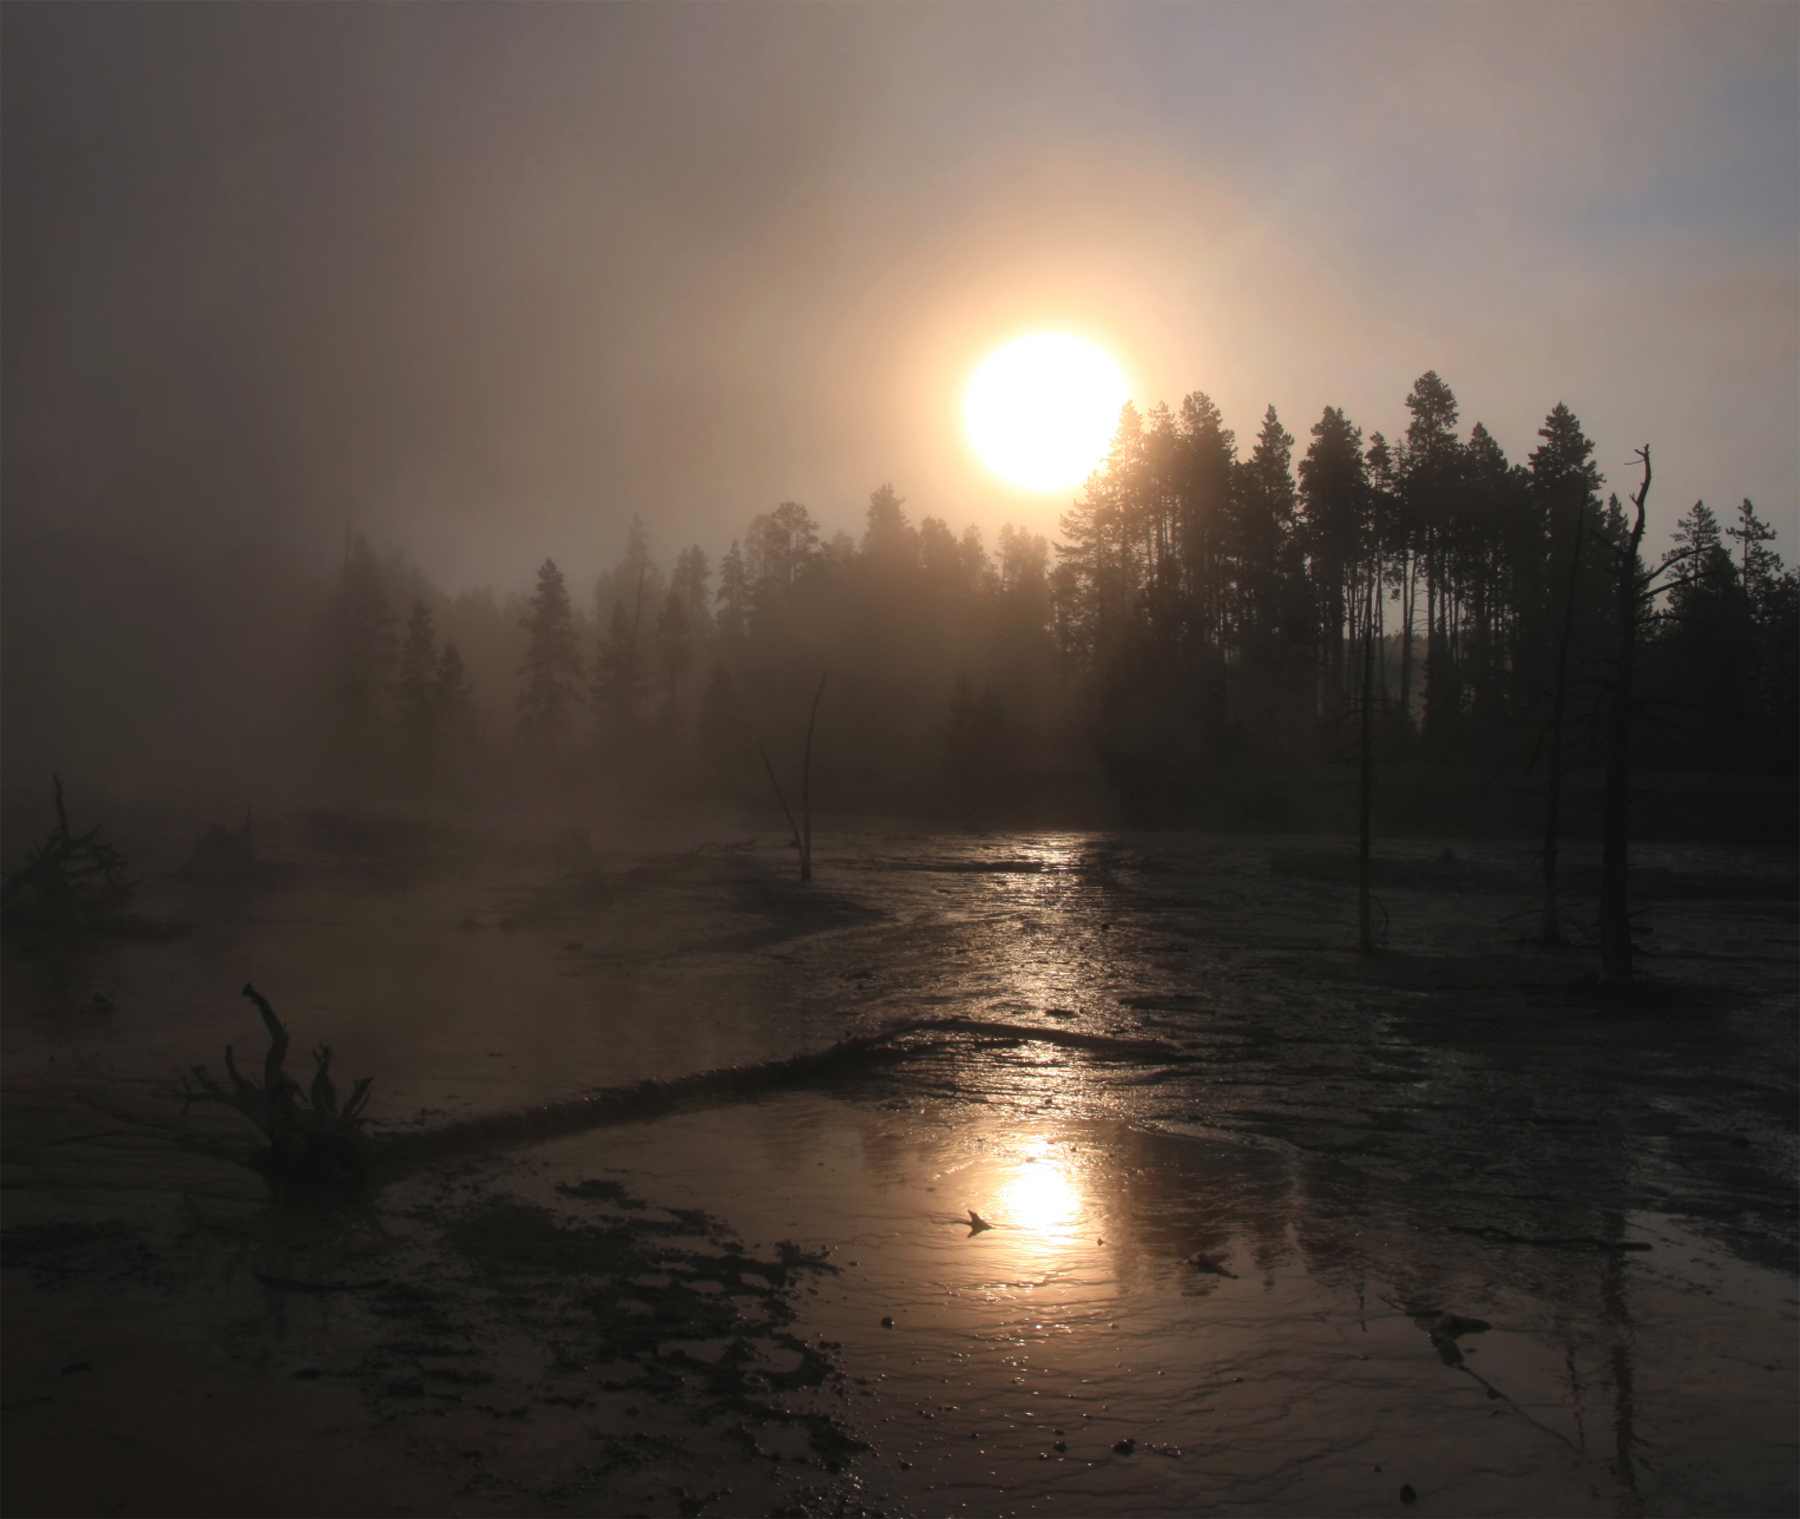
(786, 811)
(1615, 911)
(1552, 929)
(1365, 919)
(802, 830)
(1408, 591)
(806, 787)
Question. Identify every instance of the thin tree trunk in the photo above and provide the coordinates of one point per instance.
(806, 788)
(1380, 633)
(1407, 598)
(802, 830)
(1365, 919)
(1552, 932)
(1615, 910)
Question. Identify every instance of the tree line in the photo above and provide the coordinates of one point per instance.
(1211, 603)
(1206, 611)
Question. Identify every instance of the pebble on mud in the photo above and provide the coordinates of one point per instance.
(1125, 1447)
(887, 1321)
(1407, 1495)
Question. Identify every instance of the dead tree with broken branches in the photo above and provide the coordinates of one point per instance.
(68, 879)
(1637, 589)
(311, 1138)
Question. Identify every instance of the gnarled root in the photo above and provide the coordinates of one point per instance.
(311, 1138)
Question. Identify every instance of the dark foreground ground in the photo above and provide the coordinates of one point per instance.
(1273, 1230)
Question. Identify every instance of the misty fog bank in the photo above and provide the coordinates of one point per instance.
(1189, 652)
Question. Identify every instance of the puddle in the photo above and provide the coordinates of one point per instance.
(1258, 1325)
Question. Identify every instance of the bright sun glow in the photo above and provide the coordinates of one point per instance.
(1039, 1197)
(1042, 410)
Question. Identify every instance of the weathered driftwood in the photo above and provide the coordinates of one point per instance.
(309, 1139)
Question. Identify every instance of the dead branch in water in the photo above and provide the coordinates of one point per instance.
(656, 1096)
(67, 877)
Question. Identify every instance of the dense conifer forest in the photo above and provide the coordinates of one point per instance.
(1192, 648)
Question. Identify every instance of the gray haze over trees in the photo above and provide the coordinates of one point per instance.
(478, 285)
(1195, 628)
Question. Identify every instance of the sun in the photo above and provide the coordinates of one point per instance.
(1041, 409)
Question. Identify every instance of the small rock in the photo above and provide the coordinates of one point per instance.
(1407, 1495)
(1125, 1447)
(977, 1223)
(887, 1321)
(906, 1466)
(1060, 1444)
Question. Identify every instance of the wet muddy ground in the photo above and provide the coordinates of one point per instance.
(1264, 1228)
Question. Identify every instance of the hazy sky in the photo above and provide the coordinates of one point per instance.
(484, 280)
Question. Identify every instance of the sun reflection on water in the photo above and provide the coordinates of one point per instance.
(1039, 1197)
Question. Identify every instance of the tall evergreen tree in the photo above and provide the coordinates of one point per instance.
(619, 676)
(363, 629)
(691, 582)
(1430, 476)
(417, 693)
(674, 646)
(889, 540)
(733, 595)
(552, 668)
(1334, 491)
(459, 715)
